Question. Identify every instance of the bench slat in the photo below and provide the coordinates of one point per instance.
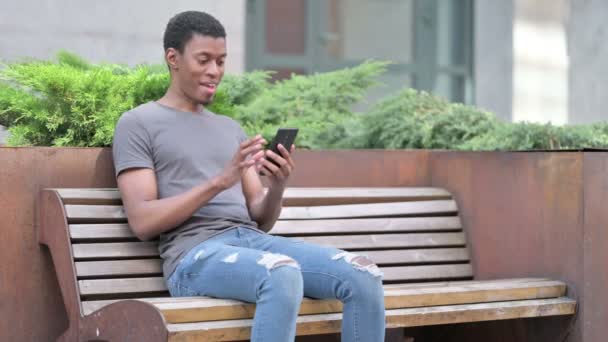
(119, 268)
(76, 213)
(292, 196)
(141, 267)
(331, 196)
(156, 284)
(409, 317)
(389, 240)
(121, 286)
(426, 273)
(376, 241)
(198, 309)
(539, 287)
(114, 250)
(369, 210)
(118, 231)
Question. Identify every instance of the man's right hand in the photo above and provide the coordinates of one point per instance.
(250, 152)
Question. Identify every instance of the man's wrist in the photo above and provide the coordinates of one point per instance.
(276, 189)
(218, 183)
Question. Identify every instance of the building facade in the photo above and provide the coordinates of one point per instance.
(525, 60)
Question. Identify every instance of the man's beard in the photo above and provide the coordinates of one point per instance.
(208, 101)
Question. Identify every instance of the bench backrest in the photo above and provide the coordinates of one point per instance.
(413, 234)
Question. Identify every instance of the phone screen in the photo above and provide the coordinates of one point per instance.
(285, 137)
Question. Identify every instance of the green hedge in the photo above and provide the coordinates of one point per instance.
(70, 102)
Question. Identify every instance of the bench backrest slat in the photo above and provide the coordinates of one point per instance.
(121, 231)
(141, 267)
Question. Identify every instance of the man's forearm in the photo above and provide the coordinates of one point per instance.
(149, 219)
(266, 211)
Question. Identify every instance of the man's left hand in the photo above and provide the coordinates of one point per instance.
(278, 175)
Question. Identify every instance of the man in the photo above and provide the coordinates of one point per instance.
(190, 177)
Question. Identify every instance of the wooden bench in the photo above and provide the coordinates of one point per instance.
(113, 289)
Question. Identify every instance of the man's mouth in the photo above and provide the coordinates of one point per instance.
(209, 86)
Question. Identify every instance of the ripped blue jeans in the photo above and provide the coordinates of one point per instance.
(275, 273)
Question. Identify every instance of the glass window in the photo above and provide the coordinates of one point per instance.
(429, 41)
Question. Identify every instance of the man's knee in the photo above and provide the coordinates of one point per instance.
(283, 281)
(360, 263)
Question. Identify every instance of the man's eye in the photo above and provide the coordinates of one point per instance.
(202, 61)
(220, 63)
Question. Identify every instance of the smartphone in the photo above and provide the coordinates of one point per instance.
(285, 137)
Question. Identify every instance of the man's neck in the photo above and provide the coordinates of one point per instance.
(174, 98)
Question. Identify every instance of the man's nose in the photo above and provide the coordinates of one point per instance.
(213, 69)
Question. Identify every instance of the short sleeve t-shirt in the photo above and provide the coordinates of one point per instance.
(184, 149)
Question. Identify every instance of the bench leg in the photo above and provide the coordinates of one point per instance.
(397, 335)
(71, 334)
(127, 320)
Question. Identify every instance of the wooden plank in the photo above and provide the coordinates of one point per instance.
(149, 249)
(369, 210)
(197, 309)
(208, 309)
(155, 284)
(366, 225)
(332, 196)
(121, 286)
(434, 255)
(432, 272)
(142, 267)
(90, 196)
(119, 268)
(388, 240)
(79, 213)
(121, 231)
(93, 305)
(410, 317)
(114, 250)
(76, 212)
(107, 231)
(292, 196)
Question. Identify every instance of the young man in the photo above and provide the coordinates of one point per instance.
(190, 177)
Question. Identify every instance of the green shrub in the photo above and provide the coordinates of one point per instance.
(418, 120)
(74, 103)
(314, 103)
(532, 136)
(412, 119)
(70, 102)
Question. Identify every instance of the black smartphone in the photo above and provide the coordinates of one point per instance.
(285, 137)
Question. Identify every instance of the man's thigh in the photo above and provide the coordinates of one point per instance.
(221, 271)
(324, 269)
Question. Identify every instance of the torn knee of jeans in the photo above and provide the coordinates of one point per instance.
(231, 259)
(359, 262)
(272, 261)
(199, 254)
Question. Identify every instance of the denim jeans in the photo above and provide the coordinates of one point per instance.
(275, 273)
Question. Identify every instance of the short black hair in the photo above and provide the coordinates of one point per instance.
(183, 26)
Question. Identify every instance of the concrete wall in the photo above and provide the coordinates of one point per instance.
(550, 63)
(540, 61)
(588, 50)
(112, 30)
(493, 58)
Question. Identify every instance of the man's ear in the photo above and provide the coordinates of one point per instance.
(172, 58)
